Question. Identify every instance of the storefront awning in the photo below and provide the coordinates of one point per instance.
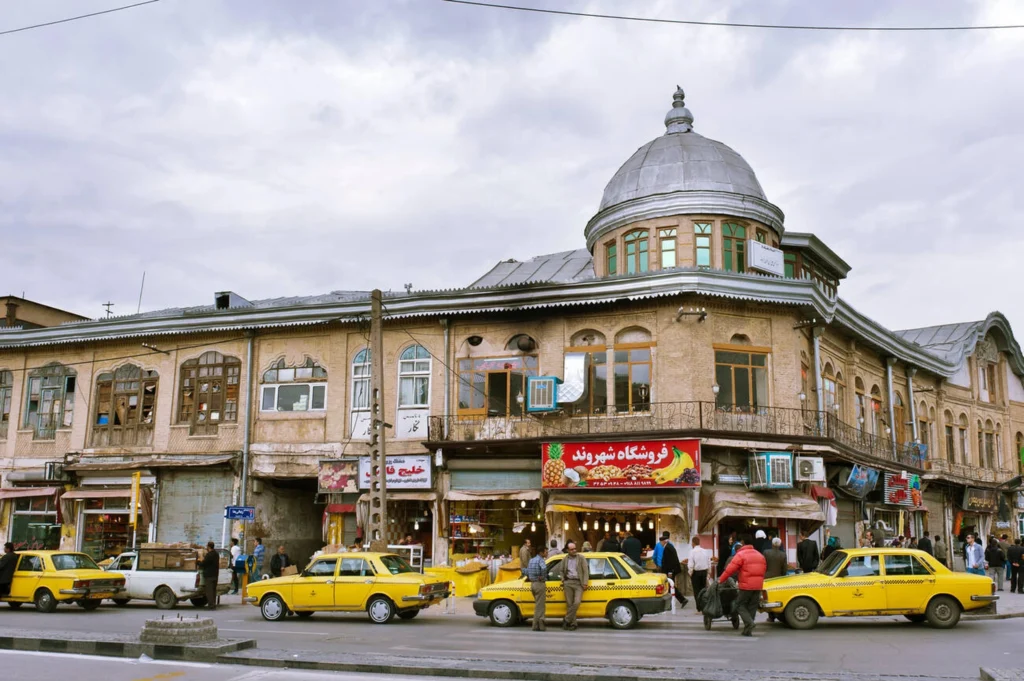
(24, 492)
(492, 495)
(621, 502)
(403, 496)
(106, 464)
(719, 503)
(68, 499)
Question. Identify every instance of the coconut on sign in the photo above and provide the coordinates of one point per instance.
(648, 463)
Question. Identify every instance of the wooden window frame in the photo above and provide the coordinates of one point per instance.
(57, 394)
(214, 380)
(668, 236)
(639, 261)
(310, 375)
(470, 367)
(410, 369)
(611, 257)
(703, 230)
(6, 400)
(734, 247)
(752, 368)
(115, 390)
(588, 409)
(639, 405)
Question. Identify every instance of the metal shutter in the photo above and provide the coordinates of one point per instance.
(191, 506)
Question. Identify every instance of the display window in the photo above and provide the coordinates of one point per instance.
(34, 524)
(105, 528)
(487, 528)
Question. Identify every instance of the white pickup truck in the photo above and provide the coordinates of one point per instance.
(166, 576)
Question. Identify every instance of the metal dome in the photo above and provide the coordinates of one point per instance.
(682, 172)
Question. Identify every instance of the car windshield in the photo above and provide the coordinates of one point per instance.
(73, 561)
(632, 564)
(396, 565)
(831, 564)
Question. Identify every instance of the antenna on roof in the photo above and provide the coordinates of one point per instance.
(141, 288)
(108, 305)
(408, 288)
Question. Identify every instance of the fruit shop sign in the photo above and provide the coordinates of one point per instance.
(649, 463)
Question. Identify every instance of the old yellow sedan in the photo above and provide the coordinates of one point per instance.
(47, 578)
(865, 582)
(619, 590)
(380, 584)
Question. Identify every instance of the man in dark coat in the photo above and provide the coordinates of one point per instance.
(7, 563)
(279, 562)
(211, 571)
(671, 567)
(925, 544)
(807, 553)
(633, 548)
(1015, 558)
(775, 559)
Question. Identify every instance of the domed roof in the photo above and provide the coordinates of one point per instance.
(683, 172)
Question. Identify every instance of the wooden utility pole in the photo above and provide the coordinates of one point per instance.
(378, 520)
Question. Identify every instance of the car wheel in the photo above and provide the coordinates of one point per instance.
(165, 598)
(408, 614)
(198, 602)
(273, 608)
(943, 612)
(380, 609)
(916, 619)
(801, 613)
(89, 603)
(504, 614)
(45, 602)
(622, 615)
(304, 614)
(13, 605)
(121, 601)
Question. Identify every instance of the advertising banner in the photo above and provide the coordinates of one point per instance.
(603, 465)
(337, 476)
(980, 500)
(861, 481)
(403, 472)
(902, 491)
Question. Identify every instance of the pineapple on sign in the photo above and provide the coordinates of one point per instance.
(554, 467)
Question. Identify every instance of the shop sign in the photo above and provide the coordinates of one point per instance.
(403, 472)
(981, 500)
(902, 489)
(609, 465)
(764, 258)
(338, 476)
(861, 481)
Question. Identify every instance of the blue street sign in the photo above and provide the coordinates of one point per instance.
(240, 512)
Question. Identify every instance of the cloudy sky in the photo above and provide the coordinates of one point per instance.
(277, 147)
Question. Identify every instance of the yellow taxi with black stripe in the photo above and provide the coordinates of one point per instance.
(619, 590)
(869, 582)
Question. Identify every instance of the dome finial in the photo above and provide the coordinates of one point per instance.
(679, 118)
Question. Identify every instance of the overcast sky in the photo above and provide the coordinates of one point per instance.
(277, 147)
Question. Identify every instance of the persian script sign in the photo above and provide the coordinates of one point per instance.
(649, 463)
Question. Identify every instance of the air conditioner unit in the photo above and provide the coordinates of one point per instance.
(810, 469)
(770, 470)
(53, 470)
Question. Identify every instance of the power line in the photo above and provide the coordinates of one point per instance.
(81, 16)
(732, 24)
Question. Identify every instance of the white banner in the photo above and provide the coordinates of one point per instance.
(764, 258)
(403, 472)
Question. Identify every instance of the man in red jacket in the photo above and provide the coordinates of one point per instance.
(751, 566)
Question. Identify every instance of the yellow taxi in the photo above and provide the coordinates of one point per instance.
(619, 590)
(381, 584)
(47, 578)
(865, 582)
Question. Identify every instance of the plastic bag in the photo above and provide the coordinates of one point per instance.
(710, 601)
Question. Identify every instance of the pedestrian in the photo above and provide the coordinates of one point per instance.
(775, 560)
(259, 554)
(7, 564)
(633, 548)
(1015, 559)
(575, 575)
(925, 544)
(761, 542)
(236, 551)
(525, 554)
(974, 557)
(700, 563)
(913, 543)
(807, 553)
(751, 567)
(831, 547)
(671, 567)
(211, 571)
(587, 548)
(603, 540)
(537, 576)
(408, 541)
(995, 558)
(1004, 544)
(553, 548)
(659, 549)
(279, 562)
(611, 544)
(941, 554)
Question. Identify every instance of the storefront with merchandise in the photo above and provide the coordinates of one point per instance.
(900, 510)
(32, 517)
(977, 513)
(600, 488)
(103, 515)
(412, 503)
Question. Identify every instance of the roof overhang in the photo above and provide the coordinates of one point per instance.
(816, 247)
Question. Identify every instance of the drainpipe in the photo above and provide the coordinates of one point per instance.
(447, 375)
(248, 416)
(913, 407)
(889, 362)
(819, 389)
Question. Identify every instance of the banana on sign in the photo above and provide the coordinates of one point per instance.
(649, 463)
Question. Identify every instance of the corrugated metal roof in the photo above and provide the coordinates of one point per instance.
(948, 341)
(554, 268)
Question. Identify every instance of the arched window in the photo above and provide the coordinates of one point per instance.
(50, 400)
(208, 394)
(828, 381)
(125, 407)
(997, 459)
(414, 377)
(950, 437)
(861, 406)
(990, 445)
(923, 424)
(595, 397)
(877, 419)
(702, 245)
(965, 440)
(632, 370)
(6, 392)
(295, 388)
(734, 238)
(667, 246)
(1018, 443)
(900, 417)
(636, 247)
(611, 257)
(361, 381)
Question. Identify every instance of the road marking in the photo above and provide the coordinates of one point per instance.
(690, 661)
(104, 659)
(293, 632)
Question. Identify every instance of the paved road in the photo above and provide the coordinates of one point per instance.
(879, 645)
(17, 665)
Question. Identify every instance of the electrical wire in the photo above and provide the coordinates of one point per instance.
(732, 24)
(81, 16)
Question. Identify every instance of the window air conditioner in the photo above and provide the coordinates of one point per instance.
(770, 470)
(53, 470)
(810, 469)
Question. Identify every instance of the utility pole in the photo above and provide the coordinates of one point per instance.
(378, 520)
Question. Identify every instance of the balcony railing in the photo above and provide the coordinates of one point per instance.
(969, 471)
(122, 436)
(674, 416)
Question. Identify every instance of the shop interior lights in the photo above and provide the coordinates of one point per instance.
(565, 526)
(627, 526)
(617, 527)
(585, 528)
(522, 504)
(650, 523)
(533, 527)
(416, 525)
(606, 526)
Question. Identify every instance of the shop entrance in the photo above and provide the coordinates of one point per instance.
(492, 527)
(731, 529)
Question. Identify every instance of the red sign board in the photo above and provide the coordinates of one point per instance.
(902, 491)
(648, 463)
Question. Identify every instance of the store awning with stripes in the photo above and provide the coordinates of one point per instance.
(27, 492)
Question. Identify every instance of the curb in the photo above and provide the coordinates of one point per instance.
(193, 652)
